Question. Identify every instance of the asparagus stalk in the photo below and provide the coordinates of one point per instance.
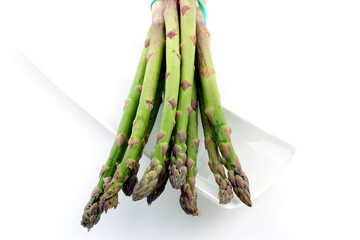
(215, 161)
(160, 185)
(215, 115)
(92, 213)
(147, 98)
(129, 185)
(188, 42)
(132, 180)
(96, 211)
(156, 170)
(188, 197)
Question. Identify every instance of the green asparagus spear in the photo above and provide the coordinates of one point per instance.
(129, 185)
(188, 197)
(147, 98)
(188, 41)
(215, 161)
(156, 169)
(215, 115)
(92, 213)
(160, 186)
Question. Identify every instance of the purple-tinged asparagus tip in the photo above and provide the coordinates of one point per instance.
(179, 57)
(176, 150)
(189, 164)
(194, 105)
(121, 140)
(182, 136)
(209, 113)
(184, 9)
(147, 43)
(185, 85)
(133, 142)
(164, 148)
(171, 34)
(172, 102)
(189, 110)
(196, 142)
(126, 103)
(149, 56)
(227, 131)
(103, 169)
(193, 39)
(95, 191)
(206, 72)
(167, 75)
(178, 114)
(160, 135)
(225, 149)
(139, 88)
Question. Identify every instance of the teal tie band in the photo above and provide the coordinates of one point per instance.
(201, 5)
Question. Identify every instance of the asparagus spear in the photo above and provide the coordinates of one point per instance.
(95, 211)
(156, 170)
(160, 186)
(129, 185)
(215, 161)
(188, 41)
(161, 183)
(188, 197)
(215, 115)
(137, 138)
(92, 213)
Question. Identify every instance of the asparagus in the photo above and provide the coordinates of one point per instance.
(147, 98)
(129, 185)
(188, 42)
(215, 115)
(160, 186)
(161, 183)
(156, 170)
(188, 197)
(92, 213)
(215, 161)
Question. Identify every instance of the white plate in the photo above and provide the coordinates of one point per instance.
(94, 65)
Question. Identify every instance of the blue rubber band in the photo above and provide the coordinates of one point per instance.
(201, 5)
(202, 9)
(152, 2)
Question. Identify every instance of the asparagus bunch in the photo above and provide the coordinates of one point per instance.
(174, 155)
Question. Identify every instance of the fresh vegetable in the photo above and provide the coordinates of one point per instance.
(188, 41)
(186, 75)
(146, 103)
(92, 212)
(215, 161)
(188, 197)
(156, 170)
(215, 115)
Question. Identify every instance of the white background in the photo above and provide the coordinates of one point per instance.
(290, 67)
